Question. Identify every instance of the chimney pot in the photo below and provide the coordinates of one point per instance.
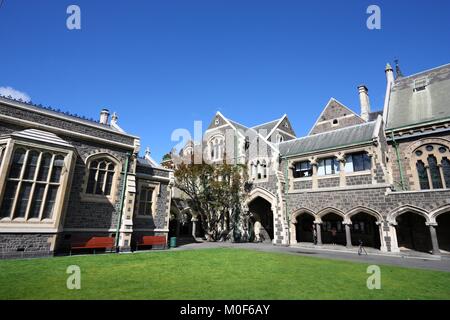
(104, 116)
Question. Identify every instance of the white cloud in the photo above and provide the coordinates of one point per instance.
(15, 94)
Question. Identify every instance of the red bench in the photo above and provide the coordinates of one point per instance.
(93, 243)
(151, 241)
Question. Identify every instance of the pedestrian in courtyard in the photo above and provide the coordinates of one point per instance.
(314, 231)
(333, 235)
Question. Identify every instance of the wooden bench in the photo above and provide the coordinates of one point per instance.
(93, 243)
(151, 241)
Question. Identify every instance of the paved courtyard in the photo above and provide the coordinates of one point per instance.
(409, 260)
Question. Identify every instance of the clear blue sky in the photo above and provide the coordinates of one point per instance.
(163, 64)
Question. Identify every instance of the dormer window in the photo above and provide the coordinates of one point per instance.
(420, 84)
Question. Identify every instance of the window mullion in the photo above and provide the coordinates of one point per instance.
(19, 185)
(44, 197)
(430, 180)
(33, 186)
(97, 170)
(441, 171)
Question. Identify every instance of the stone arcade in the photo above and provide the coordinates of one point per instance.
(382, 177)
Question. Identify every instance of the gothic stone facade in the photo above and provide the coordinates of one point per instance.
(382, 178)
(63, 180)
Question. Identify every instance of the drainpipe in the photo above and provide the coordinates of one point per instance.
(397, 153)
(122, 199)
(286, 188)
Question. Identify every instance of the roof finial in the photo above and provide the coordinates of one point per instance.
(398, 72)
(147, 152)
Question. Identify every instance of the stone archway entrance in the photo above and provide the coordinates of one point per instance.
(364, 228)
(333, 229)
(413, 233)
(262, 219)
(443, 232)
(304, 228)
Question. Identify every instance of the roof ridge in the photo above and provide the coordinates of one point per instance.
(424, 71)
(323, 133)
(59, 111)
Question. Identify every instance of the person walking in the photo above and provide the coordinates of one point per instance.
(333, 236)
(314, 231)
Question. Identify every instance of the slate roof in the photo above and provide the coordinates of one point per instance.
(238, 125)
(409, 108)
(148, 162)
(267, 126)
(57, 112)
(358, 134)
(42, 136)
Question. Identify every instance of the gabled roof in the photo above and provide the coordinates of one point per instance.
(41, 136)
(409, 107)
(268, 126)
(341, 110)
(354, 135)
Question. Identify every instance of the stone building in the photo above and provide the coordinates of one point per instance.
(65, 178)
(377, 178)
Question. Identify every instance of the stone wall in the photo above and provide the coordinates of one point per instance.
(328, 182)
(17, 245)
(299, 185)
(353, 180)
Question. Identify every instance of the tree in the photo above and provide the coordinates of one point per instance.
(217, 192)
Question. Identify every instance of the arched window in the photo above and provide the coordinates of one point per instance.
(216, 148)
(423, 175)
(32, 184)
(432, 166)
(280, 138)
(102, 173)
(259, 170)
(254, 170)
(446, 171)
(264, 169)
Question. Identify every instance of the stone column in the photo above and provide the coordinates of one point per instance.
(314, 173)
(434, 240)
(393, 235)
(293, 232)
(342, 179)
(319, 234)
(348, 236)
(194, 227)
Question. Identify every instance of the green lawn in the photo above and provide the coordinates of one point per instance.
(213, 274)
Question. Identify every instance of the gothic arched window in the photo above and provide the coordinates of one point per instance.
(432, 166)
(216, 147)
(102, 172)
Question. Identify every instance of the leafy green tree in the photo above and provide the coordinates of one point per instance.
(217, 192)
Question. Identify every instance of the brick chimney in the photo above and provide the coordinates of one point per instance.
(364, 102)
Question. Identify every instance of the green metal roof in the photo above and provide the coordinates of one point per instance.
(329, 140)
